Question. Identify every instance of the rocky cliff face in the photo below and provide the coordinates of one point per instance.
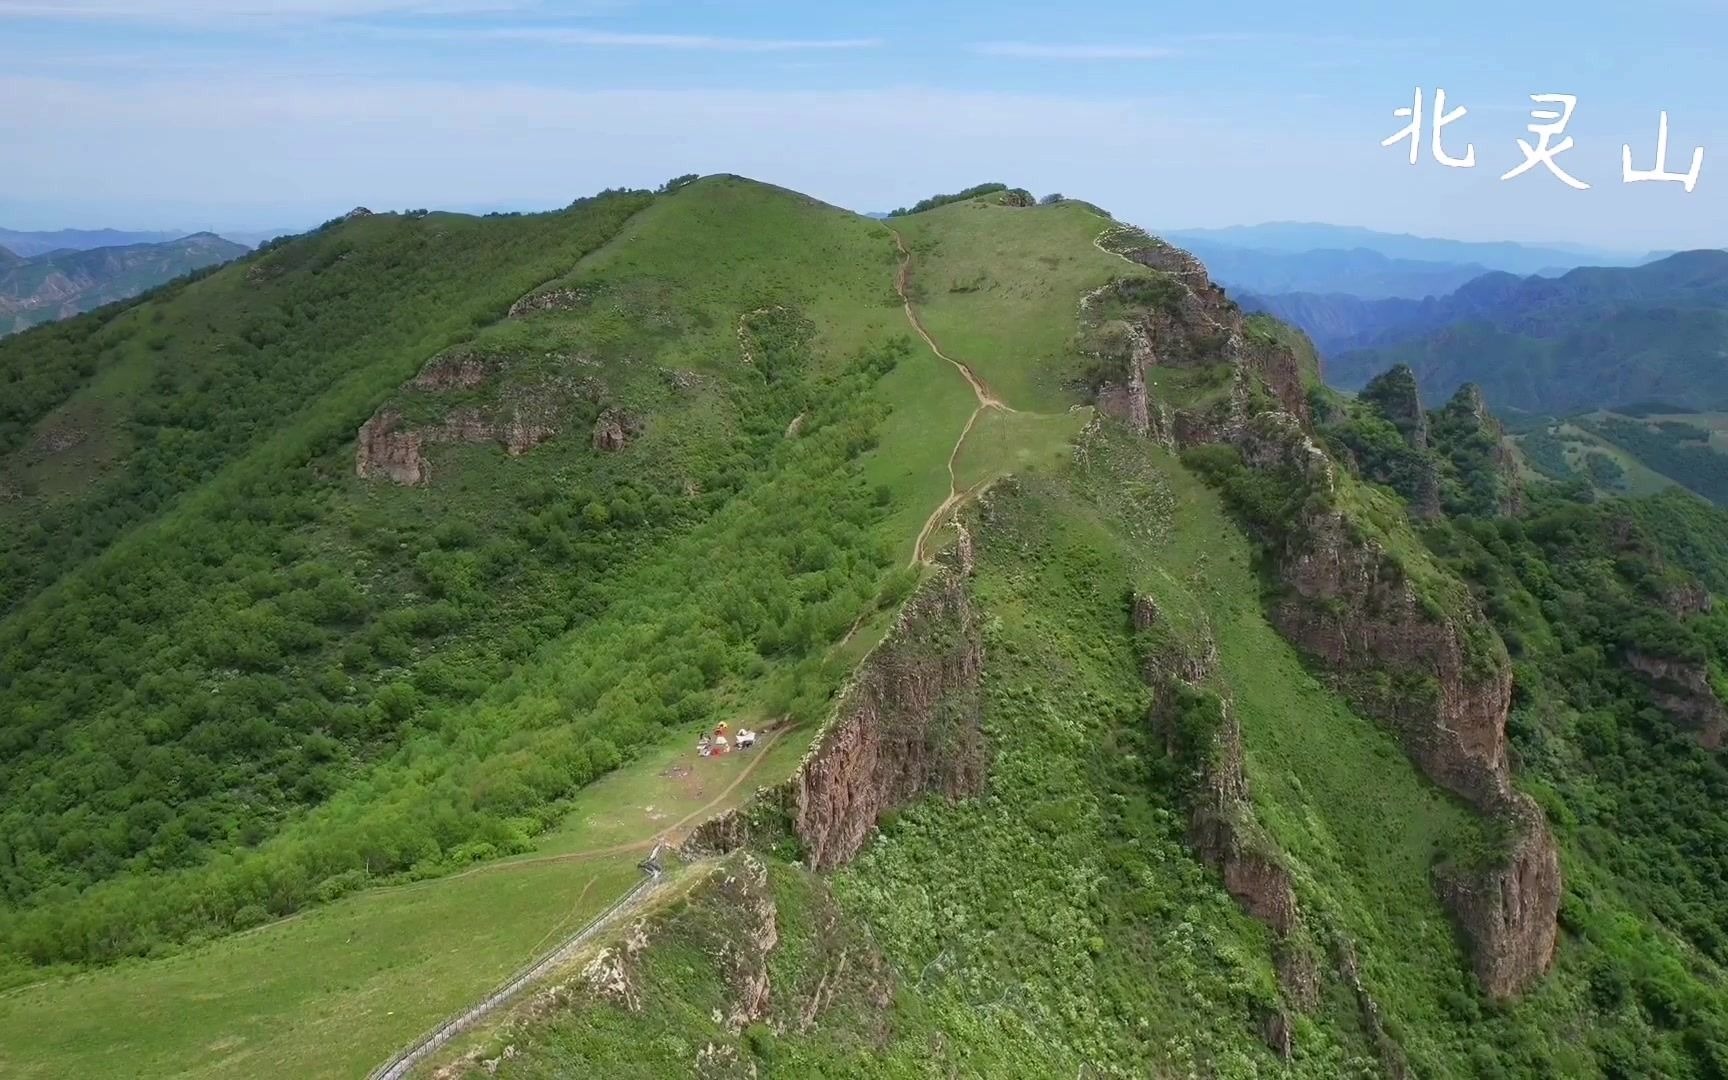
(519, 417)
(1407, 644)
(1183, 320)
(1683, 690)
(1420, 656)
(906, 727)
(1508, 907)
(1472, 429)
(1198, 722)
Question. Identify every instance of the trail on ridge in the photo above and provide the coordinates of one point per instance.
(986, 400)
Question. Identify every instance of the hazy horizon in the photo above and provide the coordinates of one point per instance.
(250, 229)
(251, 115)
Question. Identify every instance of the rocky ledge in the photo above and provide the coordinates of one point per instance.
(906, 727)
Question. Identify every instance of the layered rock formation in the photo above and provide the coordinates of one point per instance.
(1183, 320)
(906, 727)
(387, 447)
(520, 417)
(1200, 729)
(1683, 690)
(1413, 649)
(1405, 641)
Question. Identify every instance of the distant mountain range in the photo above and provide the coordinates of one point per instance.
(1296, 237)
(1338, 259)
(25, 244)
(1357, 272)
(65, 281)
(1597, 337)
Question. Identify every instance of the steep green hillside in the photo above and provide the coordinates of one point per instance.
(63, 283)
(1129, 704)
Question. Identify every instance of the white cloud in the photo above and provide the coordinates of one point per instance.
(558, 35)
(1038, 51)
(209, 11)
(269, 147)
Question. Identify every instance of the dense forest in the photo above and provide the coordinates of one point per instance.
(336, 578)
(287, 647)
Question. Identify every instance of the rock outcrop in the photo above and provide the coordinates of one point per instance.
(1683, 599)
(906, 727)
(455, 369)
(1471, 429)
(1683, 690)
(555, 298)
(1407, 643)
(614, 429)
(518, 416)
(1394, 393)
(1411, 647)
(1183, 320)
(386, 447)
(1201, 731)
(1508, 905)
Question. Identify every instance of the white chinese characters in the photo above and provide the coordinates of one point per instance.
(1413, 131)
(1689, 178)
(1548, 124)
(1542, 153)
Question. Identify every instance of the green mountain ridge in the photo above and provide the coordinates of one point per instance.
(1128, 702)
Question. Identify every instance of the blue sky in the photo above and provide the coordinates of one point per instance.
(263, 113)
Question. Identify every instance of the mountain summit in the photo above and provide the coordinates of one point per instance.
(706, 632)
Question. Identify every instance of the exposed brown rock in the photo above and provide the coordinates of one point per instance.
(1222, 827)
(1683, 690)
(755, 931)
(1353, 608)
(906, 727)
(384, 448)
(1508, 907)
(614, 430)
(1200, 325)
(1441, 678)
(454, 369)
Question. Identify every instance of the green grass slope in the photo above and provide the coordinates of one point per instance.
(404, 736)
(292, 642)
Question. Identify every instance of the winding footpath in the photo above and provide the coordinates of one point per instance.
(410, 1058)
(986, 400)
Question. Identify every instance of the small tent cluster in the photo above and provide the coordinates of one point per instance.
(720, 743)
